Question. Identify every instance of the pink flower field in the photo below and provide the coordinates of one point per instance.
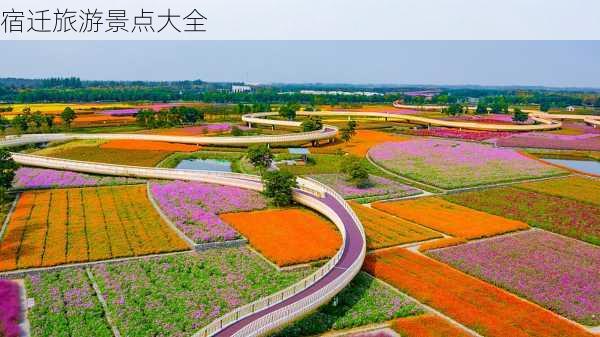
(559, 273)
(453, 164)
(193, 207)
(459, 134)
(29, 177)
(585, 141)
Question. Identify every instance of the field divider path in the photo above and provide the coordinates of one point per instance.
(103, 303)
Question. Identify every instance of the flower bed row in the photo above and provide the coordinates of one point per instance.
(427, 325)
(65, 305)
(10, 309)
(194, 207)
(452, 164)
(364, 301)
(488, 310)
(359, 144)
(586, 141)
(287, 236)
(177, 295)
(378, 187)
(449, 218)
(29, 177)
(53, 227)
(456, 133)
(383, 230)
(559, 273)
(148, 146)
(110, 156)
(557, 214)
(573, 187)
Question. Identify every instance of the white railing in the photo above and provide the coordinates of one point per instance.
(277, 317)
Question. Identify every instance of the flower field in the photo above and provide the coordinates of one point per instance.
(364, 301)
(359, 144)
(194, 207)
(573, 187)
(459, 134)
(383, 230)
(427, 325)
(200, 130)
(110, 156)
(147, 145)
(557, 214)
(287, 236)
(379, 187)
(586, 141)
(559, 273)
(65, 305)
(53, 227)
(177, 295)
(30, 178)
(10, 309)
(453, 164)
(441, 243)
(449, 218)
(476, 304)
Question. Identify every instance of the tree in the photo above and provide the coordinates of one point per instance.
(356, 171)
(37, 118)
(20, 123)
(454, 109)
(260, 156)
(519, 116)
(288, 111)
(481, 108)
(67, 116)
(349, 131)
(312, 124)
(236, 131)
(7, 169)
(278, 186)
(145, 118)
(49, 120)
(544, 106)
(4, 123)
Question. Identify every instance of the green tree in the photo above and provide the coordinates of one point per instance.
(312, 124)
(49, 120)
(481, 108)
(67, 116)
(4, 123)
(7, 169)
(278, 186)
(356, 171)
(260, 156)
(38, 119)
(519, 116)
(454, 109)
(288, 111)
(236, 131)
(349, 131)
(544, 106)
(20, 123)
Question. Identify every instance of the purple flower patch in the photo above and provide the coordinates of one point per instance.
(10, 309)
(378, 187)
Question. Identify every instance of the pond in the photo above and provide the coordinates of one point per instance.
(205, 164)
(587, 166)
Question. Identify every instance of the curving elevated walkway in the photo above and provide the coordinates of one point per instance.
(283, 307)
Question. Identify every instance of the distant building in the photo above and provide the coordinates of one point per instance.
(338, 92)
(571, 108)
(427, 94)
(240, 88)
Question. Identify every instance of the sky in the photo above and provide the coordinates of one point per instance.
(545, 63)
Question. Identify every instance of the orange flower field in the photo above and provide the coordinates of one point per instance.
(449, 218)
(574, 187)
(149, 145)
(427, 325)
(360, 143)
(53, 227)
(383, 230)
(441, 243)
(287, 236)
(476, 304)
